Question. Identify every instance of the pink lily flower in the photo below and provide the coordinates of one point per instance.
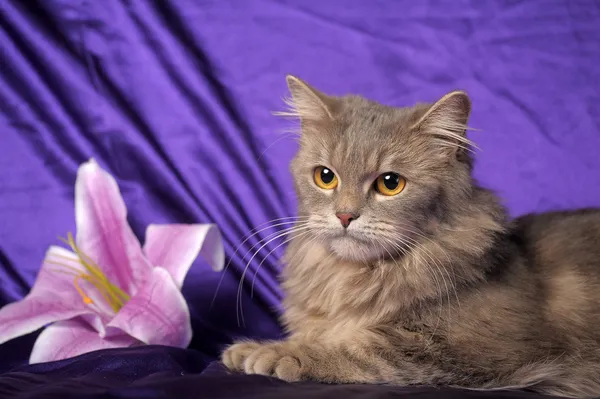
(107, 291)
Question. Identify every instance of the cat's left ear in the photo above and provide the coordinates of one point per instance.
(447, 120)
(307, 103)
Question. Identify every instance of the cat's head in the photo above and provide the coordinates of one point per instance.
(371, 179)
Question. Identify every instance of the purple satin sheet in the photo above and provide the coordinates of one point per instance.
(168, 373)
(175, 99)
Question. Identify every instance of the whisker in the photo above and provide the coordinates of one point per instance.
(284, 136)
(270, 238)
(239, 294)
(438, 246)
(438, 286)
(273, 234)
(282, 221)
(438, 266)
(312, 240)
(267, 255)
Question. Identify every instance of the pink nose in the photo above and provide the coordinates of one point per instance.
(346, 218)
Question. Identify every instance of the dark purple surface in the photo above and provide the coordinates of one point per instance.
(175, 100)
(160, 372)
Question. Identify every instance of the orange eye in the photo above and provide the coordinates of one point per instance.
(325, 178)
(390, 184)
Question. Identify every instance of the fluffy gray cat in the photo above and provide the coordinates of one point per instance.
(404, 271)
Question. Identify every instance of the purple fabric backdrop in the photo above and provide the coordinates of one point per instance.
(174, 98)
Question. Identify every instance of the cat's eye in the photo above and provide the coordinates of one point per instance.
(390, 184)
(325, 178)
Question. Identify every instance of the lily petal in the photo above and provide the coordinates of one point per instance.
(158, 314)
(53, 297)
(176, 246)
(70, 338)
(103, 233)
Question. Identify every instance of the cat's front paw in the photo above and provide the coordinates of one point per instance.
(278, 359)
(235, 356)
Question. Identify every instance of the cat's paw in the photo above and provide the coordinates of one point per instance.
(277, 359)
(235, 356)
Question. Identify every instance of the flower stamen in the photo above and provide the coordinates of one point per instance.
(112, 294)
(86, 299)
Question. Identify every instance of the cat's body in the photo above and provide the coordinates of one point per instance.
(431, 285)
(532, 318)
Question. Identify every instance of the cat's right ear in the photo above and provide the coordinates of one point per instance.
(446, 121)
(306, 102)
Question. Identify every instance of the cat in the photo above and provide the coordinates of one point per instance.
(404, 271)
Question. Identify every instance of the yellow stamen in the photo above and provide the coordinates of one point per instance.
(71, 243)
(87, 278)
(111, 293)
(86, 299)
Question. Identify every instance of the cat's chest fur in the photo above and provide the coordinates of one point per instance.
(322, 290)
(335, 300)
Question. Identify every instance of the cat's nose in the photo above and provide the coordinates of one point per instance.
(346, 218)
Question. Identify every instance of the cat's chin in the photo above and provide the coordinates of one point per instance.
(349, 248)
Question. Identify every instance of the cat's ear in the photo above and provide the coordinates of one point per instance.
(447, 119)
(306, 102)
